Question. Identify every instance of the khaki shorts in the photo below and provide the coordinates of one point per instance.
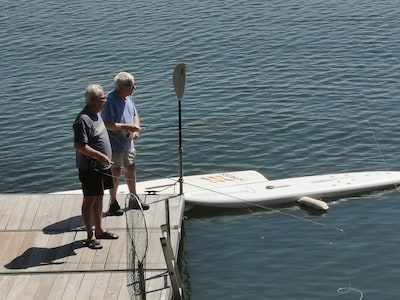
(126, 159)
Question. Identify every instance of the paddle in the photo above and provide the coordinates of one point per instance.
(178, 78)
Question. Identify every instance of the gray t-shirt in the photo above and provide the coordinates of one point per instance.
(89, 129)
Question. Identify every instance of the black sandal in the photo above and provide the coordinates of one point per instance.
(106, 235)
(93, 244)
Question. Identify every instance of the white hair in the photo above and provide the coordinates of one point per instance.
(92, 92)
(123, 79)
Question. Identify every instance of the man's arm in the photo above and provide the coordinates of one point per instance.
(88, 151)
(136, 121)
(122, 126)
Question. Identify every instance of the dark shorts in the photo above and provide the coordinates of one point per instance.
(94, 182)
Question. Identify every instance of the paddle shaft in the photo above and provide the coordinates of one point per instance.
(179, 86)
(180, 149)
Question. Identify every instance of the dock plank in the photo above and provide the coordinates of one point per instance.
(46, 283)
(6, 211)
(17, 213)
(99, 290)
(16, 291)
(43, 257)
(60, 285)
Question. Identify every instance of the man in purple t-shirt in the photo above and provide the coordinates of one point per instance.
(123, 124)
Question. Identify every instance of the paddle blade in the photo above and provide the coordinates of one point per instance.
(179, 80)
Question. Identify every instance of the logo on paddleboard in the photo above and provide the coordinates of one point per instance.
(225, 177)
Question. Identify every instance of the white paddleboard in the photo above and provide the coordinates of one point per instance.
(241, 193)
(170, 186)
(249, 188)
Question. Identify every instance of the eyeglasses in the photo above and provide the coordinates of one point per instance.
(131, 85)
(103, 99)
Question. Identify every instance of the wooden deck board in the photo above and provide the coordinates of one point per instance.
(59, 286)
(100, 289)
(43, 257)
(46, 284)
(6, 211)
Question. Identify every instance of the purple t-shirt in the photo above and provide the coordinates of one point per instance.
(89, 129)
(117, 110)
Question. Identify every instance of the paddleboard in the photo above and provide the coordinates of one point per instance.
(249, 188)
(242, 193)
(192, 183)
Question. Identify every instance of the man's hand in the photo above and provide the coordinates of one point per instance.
(132, 127)
(104, 160)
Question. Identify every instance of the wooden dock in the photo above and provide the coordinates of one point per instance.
(43, 257)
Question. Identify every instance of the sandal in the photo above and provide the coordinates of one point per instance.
(93, 244)
(106, 235)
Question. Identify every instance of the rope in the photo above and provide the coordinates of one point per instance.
(377, 145)
(232, 124)
(347, 290)
(283, 119)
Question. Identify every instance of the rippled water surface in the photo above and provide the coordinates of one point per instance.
(286, 88)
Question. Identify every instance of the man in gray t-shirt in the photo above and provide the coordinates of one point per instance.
(89, 129)
(93, 160)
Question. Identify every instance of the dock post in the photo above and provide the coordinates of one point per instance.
(167, 218)
(172, 266)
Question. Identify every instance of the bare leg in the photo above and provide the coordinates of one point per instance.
(87, 214)
(97, 213)
(130, 175)
(116, 173)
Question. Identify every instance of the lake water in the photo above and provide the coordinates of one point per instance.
(287, 88)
